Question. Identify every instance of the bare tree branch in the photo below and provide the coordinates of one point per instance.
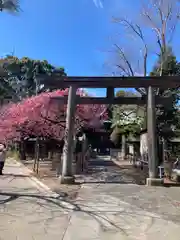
(162, 18)
(127, 69)
(124, 58)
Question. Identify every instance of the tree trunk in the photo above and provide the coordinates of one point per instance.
(55, 161)
(58, 163)
(22, 153)
(36, 156)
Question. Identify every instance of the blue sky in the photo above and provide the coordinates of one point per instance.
(75, 34)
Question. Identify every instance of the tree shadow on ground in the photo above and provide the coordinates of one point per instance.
(61, 203)
(98, 215)
(106, 171)
(15, 175)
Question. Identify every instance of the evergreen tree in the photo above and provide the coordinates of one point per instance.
(168, 119)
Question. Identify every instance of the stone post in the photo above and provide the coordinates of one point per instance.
(123, 147)
(84, 150)
(132, 153)
(152, 140)
(67, 173)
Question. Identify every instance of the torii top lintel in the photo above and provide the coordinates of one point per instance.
(115, 82)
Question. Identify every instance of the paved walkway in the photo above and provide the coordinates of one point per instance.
(101, 211)
(103, 170)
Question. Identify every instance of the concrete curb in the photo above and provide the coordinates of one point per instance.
(40, 185)
(36, 182)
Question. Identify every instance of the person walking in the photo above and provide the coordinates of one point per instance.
(2, 157)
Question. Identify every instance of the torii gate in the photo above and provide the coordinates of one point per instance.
(149, 83)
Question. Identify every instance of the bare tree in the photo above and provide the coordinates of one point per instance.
(154, 32)
(124, 63)
(162, 17)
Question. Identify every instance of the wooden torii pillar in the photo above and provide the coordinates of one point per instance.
(153, 179)
(67, 174)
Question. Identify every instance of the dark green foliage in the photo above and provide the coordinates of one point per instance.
(168, 117)
(169, 67)
(24, 75)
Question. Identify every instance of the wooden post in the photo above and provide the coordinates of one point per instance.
(110, 93)
(67, 174)
(151, 125)
(152, 140)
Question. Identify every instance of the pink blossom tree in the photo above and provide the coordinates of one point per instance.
(42, 117)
